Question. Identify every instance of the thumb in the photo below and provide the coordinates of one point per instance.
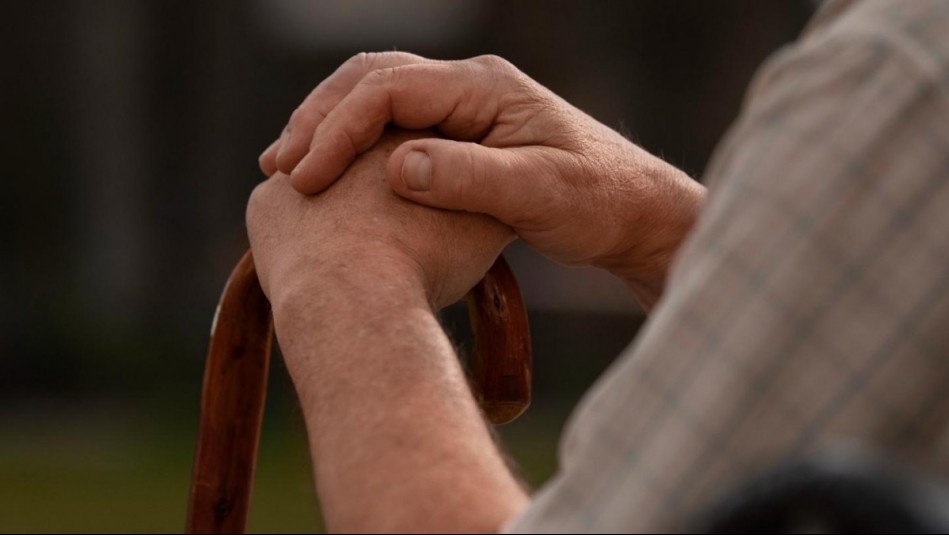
(504, 183)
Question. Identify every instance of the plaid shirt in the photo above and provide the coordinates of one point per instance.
(809, 307)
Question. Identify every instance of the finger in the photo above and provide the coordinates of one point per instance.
(511, 184)
(267, 159)
(326, 96)
(460, 98)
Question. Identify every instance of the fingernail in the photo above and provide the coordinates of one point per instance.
(417, 171)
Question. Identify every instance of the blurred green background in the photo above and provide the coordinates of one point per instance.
(131, 134)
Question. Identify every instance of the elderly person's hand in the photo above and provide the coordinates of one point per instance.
(571, 187)
(359, 228)
(353, 275)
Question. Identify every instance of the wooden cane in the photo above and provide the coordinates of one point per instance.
(235, 385)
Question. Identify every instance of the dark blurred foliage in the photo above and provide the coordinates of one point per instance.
(131, 131)
(133, 127)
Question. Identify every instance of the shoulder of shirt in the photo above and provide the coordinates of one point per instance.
(917, 30)
(912, 32)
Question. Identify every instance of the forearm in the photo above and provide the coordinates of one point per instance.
(398, 443)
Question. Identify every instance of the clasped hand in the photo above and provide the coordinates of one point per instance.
(570, 187)
(359, 227)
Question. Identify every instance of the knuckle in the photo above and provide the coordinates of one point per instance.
(467, 184)
(495, 63)
(264, 162)
(499, 72)
(367, 62)
(295, 118)
(379, 77)
(360, 61)
(304, 117)
(370, 61)
(347, 142)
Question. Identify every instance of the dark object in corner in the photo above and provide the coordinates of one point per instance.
(841, 493)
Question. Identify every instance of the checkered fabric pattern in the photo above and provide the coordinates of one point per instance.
(809, 308)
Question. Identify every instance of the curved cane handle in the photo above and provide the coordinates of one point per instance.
(501, 361)
(232, 405)
(235, 384)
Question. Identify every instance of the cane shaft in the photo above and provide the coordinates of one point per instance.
(232, 403)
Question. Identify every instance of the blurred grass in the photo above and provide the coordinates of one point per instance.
(96, 471)
(122, 464)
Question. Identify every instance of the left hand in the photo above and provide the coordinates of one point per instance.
(572, 188)
(359, 227)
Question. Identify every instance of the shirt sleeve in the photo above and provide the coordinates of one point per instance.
(809, 307)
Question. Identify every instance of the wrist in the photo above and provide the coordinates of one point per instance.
(659, 223)
(337, 291)
(317, 312)
(355, 276)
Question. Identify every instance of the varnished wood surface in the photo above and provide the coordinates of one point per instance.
(501, 362)
(232, 403)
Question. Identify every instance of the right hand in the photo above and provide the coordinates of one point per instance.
(572, 188)
(359, 231)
